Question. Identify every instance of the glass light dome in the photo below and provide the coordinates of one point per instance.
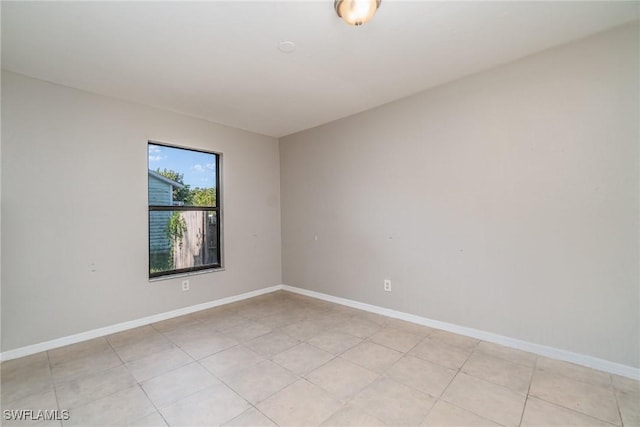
(356, 12)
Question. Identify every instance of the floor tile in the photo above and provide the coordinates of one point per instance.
(349, 311)
(629, 404)
(152, 420)
(221, 320)
(247, 331)
(41, 401)
(589, 399)
(396, 339)
(350, 416)
(626, 385)
(175, 323)
(19, 392)
(272, 343)
(79, 367)
(221, 310)
(121, 408)
(440, 353)
(258, 310)
(303, 330)
(511, 354)
(158, 363)
(144, 348)
(359, 368)
(257, 382)
(231, 360)
(174, 385)
(302, 358)
(378, 319)
(454, 340)
(250, 418)
(330, 319)
(320, 304)
(540, 413)
(372, 356)
(282, 319)
(209, 407)
(18, 367)
(445, 414)
(341, 378)
(131, 336)
(22, 377)
(486, 399)
(575, 372)
(412, 328)
(93, 386)
(394, 403)
(422, 375)
(499, 371)
(78, 351)
(334, 342)
(201, 341)
(299, 404)
(359, 327)
(133, 348)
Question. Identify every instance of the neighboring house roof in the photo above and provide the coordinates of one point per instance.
(165, 179)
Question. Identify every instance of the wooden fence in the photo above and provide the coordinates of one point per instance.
(199, 243)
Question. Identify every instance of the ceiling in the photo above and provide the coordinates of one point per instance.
(220, 60)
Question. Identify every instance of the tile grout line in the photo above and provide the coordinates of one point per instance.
(139, 383)
(615, 395)
(152, 404)
(266, 358)
(526, 399)
(251, 405)
(458, 371)
(562, 375)
(514, 390)
(53, 383)
(600, 420)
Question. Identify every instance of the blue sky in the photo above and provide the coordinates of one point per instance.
(199, 169)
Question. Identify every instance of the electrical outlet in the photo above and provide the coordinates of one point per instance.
(387, 285)
(185, 285)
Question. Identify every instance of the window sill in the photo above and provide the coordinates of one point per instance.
(188, 274)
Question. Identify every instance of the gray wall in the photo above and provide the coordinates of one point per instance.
(74, 211)
(506, 201)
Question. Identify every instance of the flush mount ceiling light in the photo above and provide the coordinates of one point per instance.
(356, 12)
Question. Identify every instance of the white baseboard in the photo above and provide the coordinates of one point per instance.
(119, 327)
(555, 353)
(542, 350)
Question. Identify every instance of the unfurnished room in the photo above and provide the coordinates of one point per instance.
(320, 213)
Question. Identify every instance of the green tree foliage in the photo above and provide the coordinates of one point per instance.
(175, 230)
(190, 197)
(179, 194)
(203, 196)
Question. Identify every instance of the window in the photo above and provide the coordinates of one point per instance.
(184, 210)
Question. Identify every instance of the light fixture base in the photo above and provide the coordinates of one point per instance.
(358, 14)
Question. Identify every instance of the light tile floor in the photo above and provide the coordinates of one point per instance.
(287, 360)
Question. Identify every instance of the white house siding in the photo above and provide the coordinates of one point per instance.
(160, 193)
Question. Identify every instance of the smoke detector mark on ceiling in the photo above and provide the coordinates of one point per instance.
(286, 46)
